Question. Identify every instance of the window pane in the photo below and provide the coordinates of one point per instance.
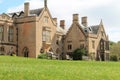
(1, 32)
(11, 34)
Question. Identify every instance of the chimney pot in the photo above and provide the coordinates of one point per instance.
(84, 21)
(62, 24)
(26, 8)
(75, 17)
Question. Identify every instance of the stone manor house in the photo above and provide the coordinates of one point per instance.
(29, 33)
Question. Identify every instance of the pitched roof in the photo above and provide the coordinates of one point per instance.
(32, 12)
(90, 29)
(95, 29)
(62, 31)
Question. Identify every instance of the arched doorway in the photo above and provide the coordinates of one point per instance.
(101, 51)
(26, 52)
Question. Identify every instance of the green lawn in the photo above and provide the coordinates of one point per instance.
(17, 68)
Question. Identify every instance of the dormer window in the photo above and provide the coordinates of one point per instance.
(90, 29)
(85, 30)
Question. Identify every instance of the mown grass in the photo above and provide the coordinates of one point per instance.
(16, 68)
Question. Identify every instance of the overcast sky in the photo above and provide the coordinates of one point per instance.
(95, 10)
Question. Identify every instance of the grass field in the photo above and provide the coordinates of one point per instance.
(16, 68)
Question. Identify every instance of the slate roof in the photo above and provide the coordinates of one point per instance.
(95, 29)
(33, 12)
(60, 30)
(90, 29)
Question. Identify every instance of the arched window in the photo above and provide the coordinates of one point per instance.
(26, 52)
(11, 34)
(1, 33)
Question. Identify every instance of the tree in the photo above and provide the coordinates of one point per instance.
(78, 53)
(115, 50)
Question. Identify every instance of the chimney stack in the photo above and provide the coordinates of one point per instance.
(62, 24)
(84, 21)
(26, 8)
(75, 17)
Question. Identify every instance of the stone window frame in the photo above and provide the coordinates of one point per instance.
(46, 34)
(69, 46)
(11, 34)
(1, 32)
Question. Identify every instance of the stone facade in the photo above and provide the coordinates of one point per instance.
(92, 38)
(29, 33)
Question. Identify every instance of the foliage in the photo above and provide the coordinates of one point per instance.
(78, 53)
(111, 43)
(17, 68)
(113, 58)
(42, 56)
(115, 49)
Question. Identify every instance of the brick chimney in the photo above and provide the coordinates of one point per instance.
(62, 24)
(26, 9)
(75, 18)
(84, 21)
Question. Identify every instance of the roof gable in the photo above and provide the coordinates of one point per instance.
(79, 27)
(46, 9)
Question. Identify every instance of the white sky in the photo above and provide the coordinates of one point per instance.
(0, 1)
(95, 10)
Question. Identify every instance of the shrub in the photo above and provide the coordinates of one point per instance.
(42, 56)
(78, 53)
(113, 58)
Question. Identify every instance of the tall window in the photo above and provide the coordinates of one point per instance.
(11, 34)
(46, 34)
(1, 33)
(93, 44)
(69, 47)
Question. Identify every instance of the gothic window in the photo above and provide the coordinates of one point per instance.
(93, 44)
(69, 47)
(107, 45)
(102, 45)
(1, 33)
(11, 34)
(46, 34)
